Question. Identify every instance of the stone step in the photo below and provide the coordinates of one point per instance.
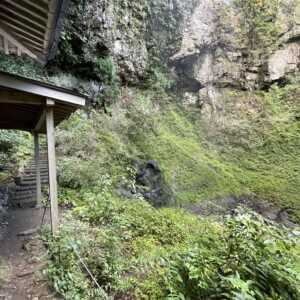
(33, 177)
(31, 183)
(32, 162)
(24, 194)
(25, 188)
(33, 172)
(29, 203)
(32, 166)
(42, 167)
(26, 191)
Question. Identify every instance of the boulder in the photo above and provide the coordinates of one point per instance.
(284, 61)
(151, 184)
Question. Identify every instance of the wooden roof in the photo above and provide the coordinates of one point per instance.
(31, 27)
(23, 102)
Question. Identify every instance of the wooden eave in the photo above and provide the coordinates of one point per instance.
(31, 27)
(23, 102)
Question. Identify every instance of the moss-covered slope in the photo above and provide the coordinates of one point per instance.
(251, 149)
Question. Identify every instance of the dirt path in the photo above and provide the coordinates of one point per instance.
(24, 257)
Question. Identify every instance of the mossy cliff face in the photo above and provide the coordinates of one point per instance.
(231, 127)
(245, 45)
(208, 44)
(137, 34)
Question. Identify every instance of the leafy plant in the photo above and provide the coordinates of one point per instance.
(259, 21)
(137, 251)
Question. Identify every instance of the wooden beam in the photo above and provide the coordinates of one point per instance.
(40, 122)
(21, 7)
(52, 168)
(50, 102)
(37, 169)
(34, 4)
(17, 15)
(12, 97)
(16, 22)
(6, 49)
(7, 20)
(38, 45)
(50, 22)
(29, 33)
(16, 43)
(35, 88)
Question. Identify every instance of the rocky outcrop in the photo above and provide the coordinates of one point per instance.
(150, 184)
(203, 42)
(138, 35)
(284, 61)
(221, 208)
(214, 53)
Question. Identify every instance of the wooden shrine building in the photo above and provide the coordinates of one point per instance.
(31, 27)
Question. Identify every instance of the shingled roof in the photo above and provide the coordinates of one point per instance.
(31, 27)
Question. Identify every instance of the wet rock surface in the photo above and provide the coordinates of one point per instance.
(149, 183)
(219, 208)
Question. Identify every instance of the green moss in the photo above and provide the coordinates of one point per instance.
(253, 152)
(23, 66)
(193, 172)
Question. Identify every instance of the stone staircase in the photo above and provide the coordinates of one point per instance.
(25, 192)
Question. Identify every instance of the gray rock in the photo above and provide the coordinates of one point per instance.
(151, 184)
(284, 61)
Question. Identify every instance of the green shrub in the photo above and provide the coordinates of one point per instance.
(253, 261)
(105, 69)
(15, 149)
(251, 149)
(136, 251)
(258, 22)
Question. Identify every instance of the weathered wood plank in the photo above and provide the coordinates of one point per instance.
(13, 97)
(52, 167)
(37, 168)
(23, 8)
(14, 82)
(12, 40)
(40, 122)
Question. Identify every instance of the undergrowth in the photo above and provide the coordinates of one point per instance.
(15, 149)
(251, 150)
(135, 251)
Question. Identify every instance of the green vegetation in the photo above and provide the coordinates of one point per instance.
(15, 148)
(258, 25)
(251, 150)
(4, 273)
(100, 84)
(136, 251)
(22, 66)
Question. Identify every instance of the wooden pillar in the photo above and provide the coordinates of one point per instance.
(52, 164)
(37, 169)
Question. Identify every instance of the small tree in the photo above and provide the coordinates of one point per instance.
(258, 22)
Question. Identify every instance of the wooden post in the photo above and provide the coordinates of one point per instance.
(52, 165)
(37, 169)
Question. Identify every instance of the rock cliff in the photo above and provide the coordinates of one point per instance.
(207, 44)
